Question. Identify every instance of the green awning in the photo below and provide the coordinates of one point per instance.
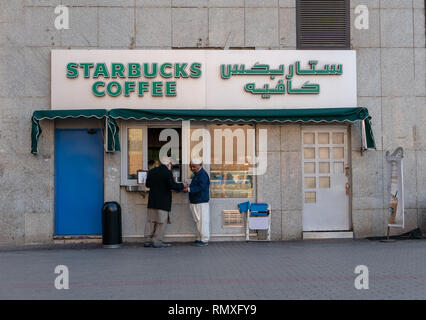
(320, 115)
(244, 115)
(113, 140)
(253, 115)
(112, 132)
(371, 144)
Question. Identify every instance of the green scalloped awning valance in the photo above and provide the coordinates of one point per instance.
(244, 115)
(113, 143)
(320, 115)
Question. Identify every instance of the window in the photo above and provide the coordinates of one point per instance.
(323, 24)
(135, 152)
(230, 175)
(198, 142)
(141, 149)
(159, 137)
(228, 148)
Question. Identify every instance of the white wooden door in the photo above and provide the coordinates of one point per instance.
(325, 170)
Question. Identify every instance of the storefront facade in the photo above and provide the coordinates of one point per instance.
(315, 126)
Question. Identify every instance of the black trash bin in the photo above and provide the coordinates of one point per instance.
(111, 225)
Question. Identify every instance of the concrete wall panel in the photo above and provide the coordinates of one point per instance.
(391, 84)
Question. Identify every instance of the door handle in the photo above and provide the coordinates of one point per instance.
(347, 170)
(347, 187)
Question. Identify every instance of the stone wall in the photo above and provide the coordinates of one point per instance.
(391, 84)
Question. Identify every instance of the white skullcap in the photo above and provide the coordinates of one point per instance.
(197, 161)
(166, 160)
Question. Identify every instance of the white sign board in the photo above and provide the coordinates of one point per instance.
(203, 79)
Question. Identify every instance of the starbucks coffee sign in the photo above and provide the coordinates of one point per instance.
(131, 71)
(202, 79)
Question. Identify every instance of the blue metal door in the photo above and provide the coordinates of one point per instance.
(79, 181)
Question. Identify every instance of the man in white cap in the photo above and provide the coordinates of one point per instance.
(160, 183)
(199, 196)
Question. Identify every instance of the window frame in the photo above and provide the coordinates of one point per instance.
(144, 125)
(185, 143)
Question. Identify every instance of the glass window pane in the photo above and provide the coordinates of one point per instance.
(310, 183)
(310, 197)
(338, 167)
(155, 145)
(324, 153)
(196, 143)
(309, 153)
(134, 152)
(323, 138)
(324, 182)
(309, 138)
(338, 153)
(196, 146)
(324, 167)
(230, 180)
(338, 138)
(309, 167)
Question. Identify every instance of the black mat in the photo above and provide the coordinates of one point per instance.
(410, 235)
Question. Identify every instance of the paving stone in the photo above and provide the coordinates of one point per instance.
(316, 269)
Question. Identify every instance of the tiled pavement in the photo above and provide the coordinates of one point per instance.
(238, 270)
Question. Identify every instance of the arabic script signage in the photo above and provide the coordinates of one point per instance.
(263, 69)
(202, 79)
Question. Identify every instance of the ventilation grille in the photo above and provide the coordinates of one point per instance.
(323, 24)
(232, 219)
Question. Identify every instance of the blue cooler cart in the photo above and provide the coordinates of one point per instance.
(258, 218)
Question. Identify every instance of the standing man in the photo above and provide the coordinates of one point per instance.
(199, 196)
(161, 183)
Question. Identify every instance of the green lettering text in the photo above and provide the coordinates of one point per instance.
(72, 71)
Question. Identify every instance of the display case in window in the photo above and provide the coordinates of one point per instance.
(231, 184)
